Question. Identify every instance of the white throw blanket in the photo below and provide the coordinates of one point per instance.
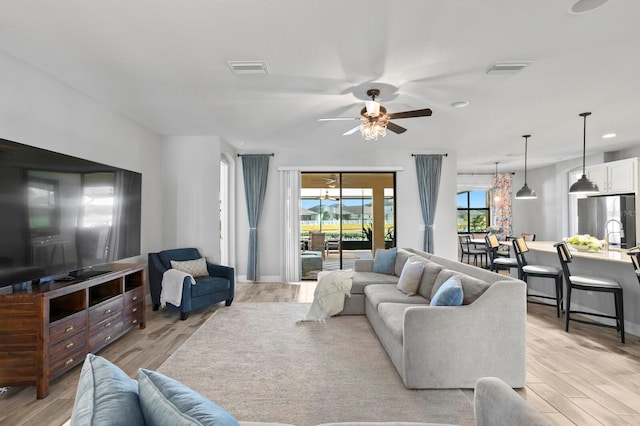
(171, 291)
(328, 298)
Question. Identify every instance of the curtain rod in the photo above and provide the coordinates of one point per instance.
(442, 155)
(473, 174)
(249, 155)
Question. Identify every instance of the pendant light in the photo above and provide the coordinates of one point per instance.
(584, 185)
(496, 195)
(525, 192)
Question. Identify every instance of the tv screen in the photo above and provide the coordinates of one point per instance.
(63, 215)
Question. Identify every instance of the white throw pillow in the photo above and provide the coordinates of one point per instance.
(195, 268)
(410, 277)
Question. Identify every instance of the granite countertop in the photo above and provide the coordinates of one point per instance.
(611, 255)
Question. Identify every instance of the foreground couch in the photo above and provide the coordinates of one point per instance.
(107, 396)
(444, 346)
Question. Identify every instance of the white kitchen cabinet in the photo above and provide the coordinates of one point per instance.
(615, 177)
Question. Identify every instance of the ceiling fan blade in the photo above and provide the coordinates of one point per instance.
(352, 131)
(339, 119)
(410, 114)
(395, 128)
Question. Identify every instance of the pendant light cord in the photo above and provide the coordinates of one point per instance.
(584, 141)
(526, 138)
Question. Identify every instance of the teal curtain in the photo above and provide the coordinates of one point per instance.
(255, 169)
(428, 168)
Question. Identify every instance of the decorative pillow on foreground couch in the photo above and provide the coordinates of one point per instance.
(107, 396)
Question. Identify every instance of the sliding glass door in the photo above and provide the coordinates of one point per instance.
(344, 217)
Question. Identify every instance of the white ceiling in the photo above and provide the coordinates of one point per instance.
(163, 63)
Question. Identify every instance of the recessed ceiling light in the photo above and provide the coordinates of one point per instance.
(609, 136)
(460, 104)
(584, 6)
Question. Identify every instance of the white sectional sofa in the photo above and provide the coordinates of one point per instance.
(445, 346)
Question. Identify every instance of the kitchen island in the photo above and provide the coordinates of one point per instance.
(614, 264)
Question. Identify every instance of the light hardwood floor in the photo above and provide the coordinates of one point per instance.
(585, 377)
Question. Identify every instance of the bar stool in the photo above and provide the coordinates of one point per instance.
(599, 284)
(540, 271)
(498, 260)
(635, 259)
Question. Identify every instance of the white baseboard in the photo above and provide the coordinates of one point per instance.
(263, 279)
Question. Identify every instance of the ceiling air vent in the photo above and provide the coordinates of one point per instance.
(248, 67)
(500, 68)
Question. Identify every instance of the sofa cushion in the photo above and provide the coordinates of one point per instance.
(411, 275)
(381, 293)
(208, 285)
(363, 279)
(401, 258)
(384, 261)
(105, 395)
(392, 315)
(196, 268)
(165, 401)
(429, 276)
(449, 294)
(472, 287)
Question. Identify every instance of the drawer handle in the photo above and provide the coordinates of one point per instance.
(69, 345)
(107, 325)
(135, 298)
(69, 361)
(134, 322)
(68, 329)
(134, 310)
(106, 339)
(108, 311)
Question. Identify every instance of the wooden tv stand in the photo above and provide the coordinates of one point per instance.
(48, 329)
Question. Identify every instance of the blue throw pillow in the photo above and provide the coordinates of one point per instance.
(105, 395)
(385, 261)
(165, 401)
(449, 294)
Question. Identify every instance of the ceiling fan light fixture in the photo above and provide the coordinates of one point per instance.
(373, 129)
(526, 193)
(584, 185)
(373, 108)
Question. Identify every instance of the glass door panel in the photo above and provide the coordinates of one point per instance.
(344, 217)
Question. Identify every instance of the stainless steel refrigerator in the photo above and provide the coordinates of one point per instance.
(611, 218)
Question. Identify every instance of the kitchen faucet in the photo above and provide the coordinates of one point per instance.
(608, 233)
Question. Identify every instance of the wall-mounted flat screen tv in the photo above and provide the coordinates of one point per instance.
(63, 215)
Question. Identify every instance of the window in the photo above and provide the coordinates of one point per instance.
(473, 211)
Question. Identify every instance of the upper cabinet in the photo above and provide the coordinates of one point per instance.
(615, 177)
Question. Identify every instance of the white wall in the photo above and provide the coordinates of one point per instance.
(409, 227)
(191, 176)
(39, 110)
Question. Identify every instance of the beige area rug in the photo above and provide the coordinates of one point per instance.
(254, 360)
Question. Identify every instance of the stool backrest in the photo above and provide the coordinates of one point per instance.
(635, 259)
(565, 258)
(520, 248)
(492, 241)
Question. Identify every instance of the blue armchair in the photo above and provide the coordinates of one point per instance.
(218, 286)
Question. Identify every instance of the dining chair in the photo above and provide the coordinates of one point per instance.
(590, 284)
(525, 270)
(528, 237)
(467, 249)
(498, 259)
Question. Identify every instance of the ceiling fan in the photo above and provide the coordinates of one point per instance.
(375, 120)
